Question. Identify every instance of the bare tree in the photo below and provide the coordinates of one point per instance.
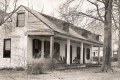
(106, 19)
(4, 9)
(116, 20)
(117, 25)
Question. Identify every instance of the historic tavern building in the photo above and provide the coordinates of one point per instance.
(28, 36)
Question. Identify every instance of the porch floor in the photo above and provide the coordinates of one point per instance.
(71, 66)
(74, 66)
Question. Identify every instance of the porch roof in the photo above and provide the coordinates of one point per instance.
(55, 24)
(45, 21)
(75, 34)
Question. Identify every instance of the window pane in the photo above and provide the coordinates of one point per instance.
(7, 48)
(21, 16)
(20, 19)
(21, 23)
(7, 45)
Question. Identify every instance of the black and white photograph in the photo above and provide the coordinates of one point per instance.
(59, 39)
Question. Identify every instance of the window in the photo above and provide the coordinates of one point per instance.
(36, 48)
(97, 37)
(7, 48)
(20, 19)
(88, 54)
(46, 49)
(85, 34)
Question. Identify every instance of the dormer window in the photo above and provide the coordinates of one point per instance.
(20, 19)
(85, 34)
(97, 37)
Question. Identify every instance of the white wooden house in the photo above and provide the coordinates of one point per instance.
(28, 36)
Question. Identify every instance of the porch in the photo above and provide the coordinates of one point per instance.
(55, 49)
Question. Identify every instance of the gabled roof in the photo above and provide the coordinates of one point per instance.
(57, 24)
(45, 21)
(72, 31)
(42, 19)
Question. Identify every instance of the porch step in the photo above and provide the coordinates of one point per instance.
(72, 66)
(93, 65)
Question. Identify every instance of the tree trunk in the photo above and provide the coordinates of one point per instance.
(107, 50)
(119, 35)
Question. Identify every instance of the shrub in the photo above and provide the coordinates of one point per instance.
(114, 59)
(96, 59)
(35, 68)
(19, 69)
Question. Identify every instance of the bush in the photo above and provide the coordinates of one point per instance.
(6, 68)
(19, 69)
(96, 59)
(114, 59)
(35, 68)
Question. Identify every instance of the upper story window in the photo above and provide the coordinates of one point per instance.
(85, 34)
(20, 19)
(97, 37)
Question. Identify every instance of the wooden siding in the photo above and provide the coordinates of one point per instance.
(35, 24)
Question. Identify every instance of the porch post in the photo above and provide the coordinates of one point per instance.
(51, 46)
(68, 51)
(42, 49)
(81, 53)
(91, 53)
(98, 55)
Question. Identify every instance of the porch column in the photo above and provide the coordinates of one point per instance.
(91, 53)
(68, 51)
(81, 53)
(51, 46)
(98, 55)
(42, 49)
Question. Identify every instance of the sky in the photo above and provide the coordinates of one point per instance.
(49, 7)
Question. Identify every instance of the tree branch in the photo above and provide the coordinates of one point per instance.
(91, 16)
(97, 9)
(115, 22)
(102, 1)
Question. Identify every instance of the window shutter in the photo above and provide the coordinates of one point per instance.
(33, 50)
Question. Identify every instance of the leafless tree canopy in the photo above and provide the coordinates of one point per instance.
(100, 13)
(4, 8)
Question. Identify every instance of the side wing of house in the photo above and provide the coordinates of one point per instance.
(13, 38)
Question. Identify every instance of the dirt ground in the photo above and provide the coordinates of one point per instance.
(71, 74)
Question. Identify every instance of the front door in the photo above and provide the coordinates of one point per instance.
(36, 48)
(78, 52)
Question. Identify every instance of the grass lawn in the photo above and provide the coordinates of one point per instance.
(70, 74)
